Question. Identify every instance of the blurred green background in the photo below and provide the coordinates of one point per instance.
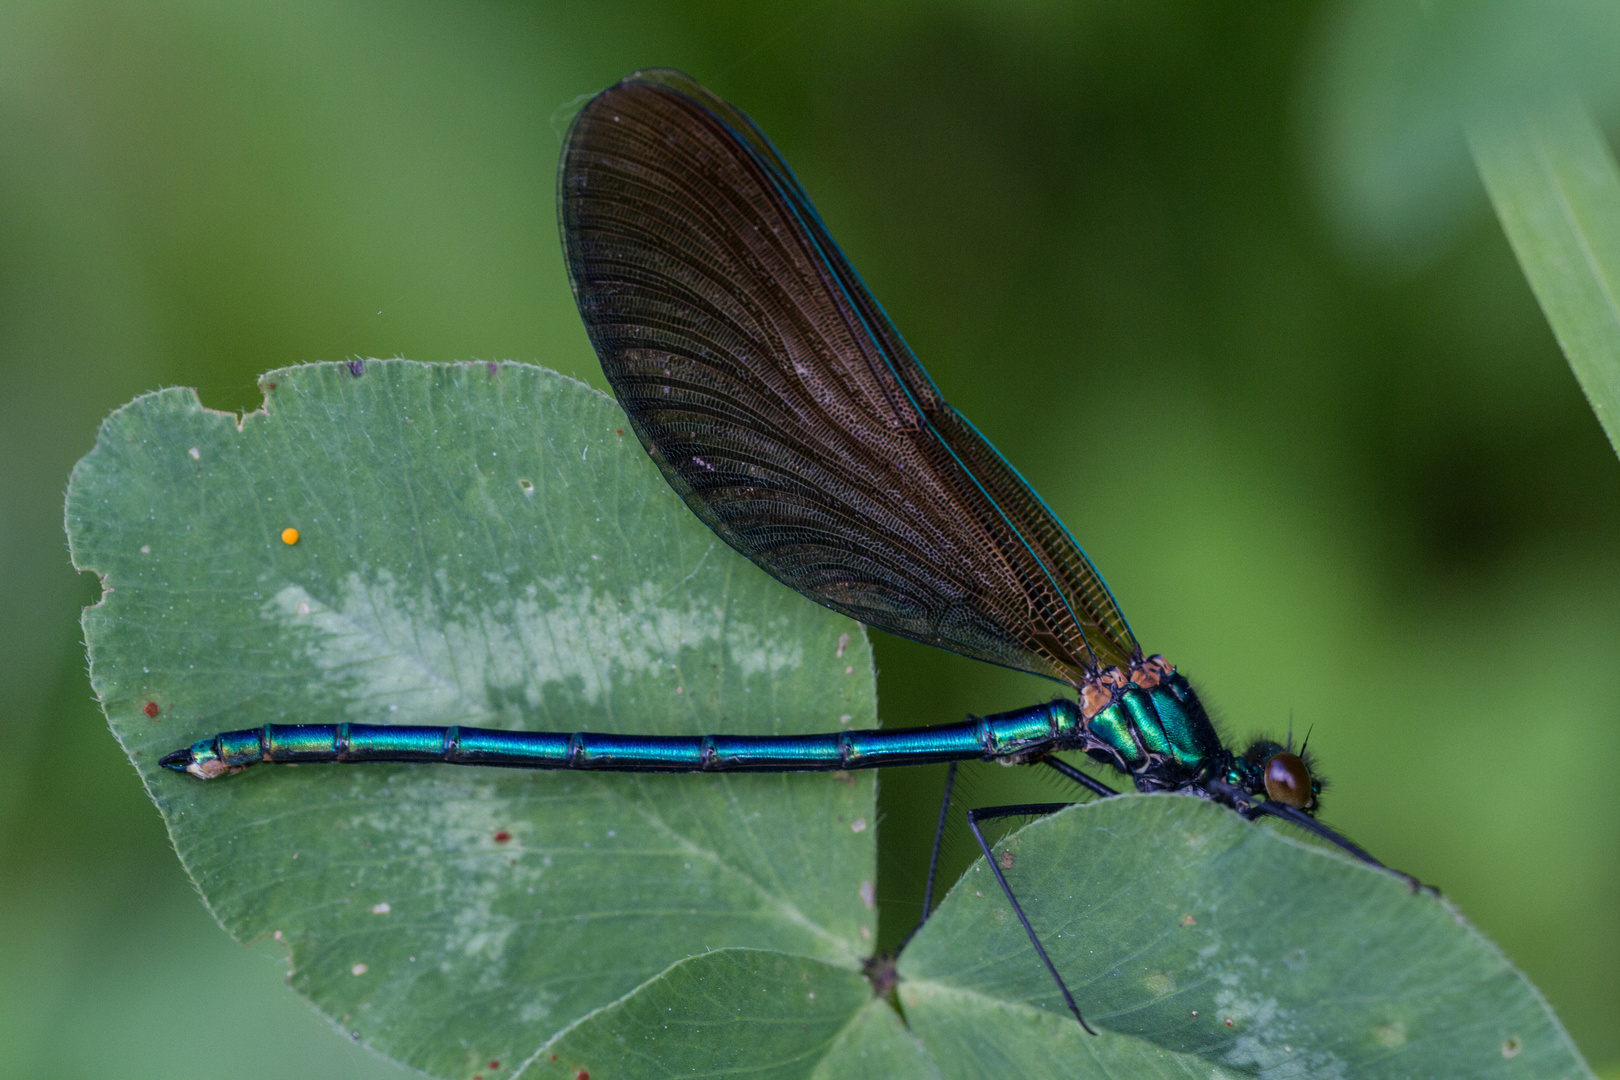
(1277, 370)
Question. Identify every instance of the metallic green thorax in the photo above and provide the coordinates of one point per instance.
(1161, 736)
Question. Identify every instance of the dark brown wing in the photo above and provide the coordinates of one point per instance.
(784, 407)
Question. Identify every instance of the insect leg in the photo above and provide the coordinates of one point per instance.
(985, 813)
(939, 837)
(1311, 825)
(1096, 787)
(933, 859)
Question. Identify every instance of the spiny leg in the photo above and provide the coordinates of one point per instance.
(933, 859)
(939, 838)
(1028, 809)
(1311, 825)
(1096, 787)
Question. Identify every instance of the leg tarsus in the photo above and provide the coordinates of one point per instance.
(939, 837)
(933, 859)
(1316, 828)
(974, 817)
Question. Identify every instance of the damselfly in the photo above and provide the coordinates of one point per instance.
(786, 410)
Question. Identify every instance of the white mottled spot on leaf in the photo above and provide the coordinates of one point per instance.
(451, 660)
(759, 651)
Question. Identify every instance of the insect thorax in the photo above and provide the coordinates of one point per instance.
(1148, 723)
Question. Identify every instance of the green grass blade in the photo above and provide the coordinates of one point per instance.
(1556, 190)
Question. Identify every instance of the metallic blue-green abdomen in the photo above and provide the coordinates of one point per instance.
(1158, 734)
(1163, 730)
(1006, 736)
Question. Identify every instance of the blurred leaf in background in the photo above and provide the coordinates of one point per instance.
(1556, 189)
(1393, 85)
(1360, 491)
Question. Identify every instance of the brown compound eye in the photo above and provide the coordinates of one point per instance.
(1288, 781)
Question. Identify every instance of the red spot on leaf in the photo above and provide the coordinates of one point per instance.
(502, 836)
(494, 1064)
(151, 709)
(582, 1075)
(618, 431)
